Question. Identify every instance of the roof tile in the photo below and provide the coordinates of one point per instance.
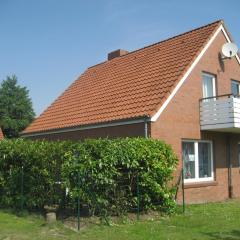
(130, 86)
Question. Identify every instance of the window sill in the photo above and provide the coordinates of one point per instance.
(200, 184)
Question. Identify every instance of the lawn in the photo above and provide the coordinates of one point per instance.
(205, 221)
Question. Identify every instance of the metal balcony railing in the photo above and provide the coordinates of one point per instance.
(220, 113)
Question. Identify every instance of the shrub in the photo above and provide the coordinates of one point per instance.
(108, 172)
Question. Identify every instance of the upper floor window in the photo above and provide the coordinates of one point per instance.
(209, 85)
(235, 85)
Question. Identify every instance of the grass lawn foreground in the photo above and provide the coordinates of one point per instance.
(204, 221)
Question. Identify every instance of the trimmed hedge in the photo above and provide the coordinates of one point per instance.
(107, 172)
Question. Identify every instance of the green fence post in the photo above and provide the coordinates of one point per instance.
(78, 210)
(183, 193)
(138, 198)
(22, 188)
(76, 156)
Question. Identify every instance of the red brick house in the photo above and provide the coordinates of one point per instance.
(1, 135)
(157, 92)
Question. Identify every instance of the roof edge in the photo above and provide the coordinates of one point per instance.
(140, 119)
(220, 21)
(189, 68)
(229, 39)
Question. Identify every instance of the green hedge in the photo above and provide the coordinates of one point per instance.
(108, 170)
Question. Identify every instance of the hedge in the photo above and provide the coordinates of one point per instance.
(107, 172)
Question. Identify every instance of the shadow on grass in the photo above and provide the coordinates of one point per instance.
(232, 235)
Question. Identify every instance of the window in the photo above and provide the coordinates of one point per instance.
(235, 88)
(209, 86)
(197, 160)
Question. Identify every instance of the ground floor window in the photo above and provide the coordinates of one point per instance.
(197, 160)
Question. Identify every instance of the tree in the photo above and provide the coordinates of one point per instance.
(16, 110)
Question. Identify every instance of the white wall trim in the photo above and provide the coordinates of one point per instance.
(229, 40)
(180, 83)
(73, 129)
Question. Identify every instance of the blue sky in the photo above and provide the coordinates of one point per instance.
(49, 43)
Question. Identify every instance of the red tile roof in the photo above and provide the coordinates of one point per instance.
(126, 87)
(1, 134)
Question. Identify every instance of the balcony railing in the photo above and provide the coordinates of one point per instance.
(220, 113)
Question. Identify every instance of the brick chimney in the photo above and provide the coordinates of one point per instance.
(116, 53)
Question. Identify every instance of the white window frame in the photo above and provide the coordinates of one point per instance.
(214, 83)
(197, 178)
(238, 83)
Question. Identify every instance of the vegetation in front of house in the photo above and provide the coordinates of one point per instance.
(215, 221)
(108, 175)
(16, 111)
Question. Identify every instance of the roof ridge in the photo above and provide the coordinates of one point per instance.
(165, 40)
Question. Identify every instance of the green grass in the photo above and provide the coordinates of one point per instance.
(207, 221)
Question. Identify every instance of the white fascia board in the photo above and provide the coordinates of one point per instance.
(180, 83)
(229, 40)
(73, 129)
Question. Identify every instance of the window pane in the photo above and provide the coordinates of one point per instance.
(235, 88)
(208, 90)
(204, 156)
(189, 160)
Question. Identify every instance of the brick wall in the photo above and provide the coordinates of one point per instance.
(180, 120)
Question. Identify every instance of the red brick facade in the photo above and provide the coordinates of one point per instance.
(180, 120)
(1, 134)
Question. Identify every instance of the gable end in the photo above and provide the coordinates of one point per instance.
(190, 69)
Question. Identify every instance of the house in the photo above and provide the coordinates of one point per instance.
(180, 90)
(1, 135)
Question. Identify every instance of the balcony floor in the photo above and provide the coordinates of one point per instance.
(227, 129)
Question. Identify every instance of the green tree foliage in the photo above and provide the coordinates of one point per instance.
(16, 110)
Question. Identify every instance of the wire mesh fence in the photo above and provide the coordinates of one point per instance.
(75, 208)
(83, 199)
(102, 202)
(96, 178)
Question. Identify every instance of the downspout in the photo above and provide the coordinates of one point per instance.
(229, 163)
(147, 120)
(145, 128)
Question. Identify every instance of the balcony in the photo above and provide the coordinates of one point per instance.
(220, 113)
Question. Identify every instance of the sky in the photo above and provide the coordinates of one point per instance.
(47, 44)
